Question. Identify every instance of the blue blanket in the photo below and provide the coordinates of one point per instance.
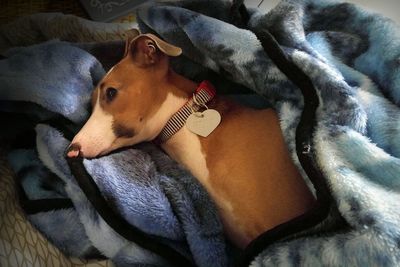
(353, 60)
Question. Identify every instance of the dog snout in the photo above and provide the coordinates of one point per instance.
(74, 150)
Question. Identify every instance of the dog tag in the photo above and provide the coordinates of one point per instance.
(203, 123)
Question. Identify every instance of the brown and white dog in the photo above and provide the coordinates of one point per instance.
(243, 164)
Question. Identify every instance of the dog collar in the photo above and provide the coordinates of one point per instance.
(203, 94)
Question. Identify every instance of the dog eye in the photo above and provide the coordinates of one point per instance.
(111, 93)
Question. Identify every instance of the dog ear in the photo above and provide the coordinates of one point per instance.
(165, 47)
(146, 48)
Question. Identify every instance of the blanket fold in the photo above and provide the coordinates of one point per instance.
(351, 57)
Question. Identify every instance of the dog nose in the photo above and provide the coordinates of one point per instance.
(74, 150)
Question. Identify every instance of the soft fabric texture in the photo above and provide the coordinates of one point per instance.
(353, 60)
(32, 29)
(20, 243)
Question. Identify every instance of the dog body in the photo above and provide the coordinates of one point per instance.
(243, 164)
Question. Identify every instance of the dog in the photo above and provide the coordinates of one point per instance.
(237, 153)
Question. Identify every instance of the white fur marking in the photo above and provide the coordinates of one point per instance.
(184, 146)
(97, 135)
(168, 108)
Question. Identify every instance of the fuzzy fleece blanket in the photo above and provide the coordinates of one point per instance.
(353, 60)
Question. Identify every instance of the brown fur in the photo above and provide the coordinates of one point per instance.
(251, 167)
(250, 170)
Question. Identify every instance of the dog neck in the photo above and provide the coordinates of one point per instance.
(203, 94)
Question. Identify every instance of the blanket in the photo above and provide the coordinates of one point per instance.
(352, 58)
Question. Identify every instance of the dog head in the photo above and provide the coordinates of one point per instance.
(126, 103)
